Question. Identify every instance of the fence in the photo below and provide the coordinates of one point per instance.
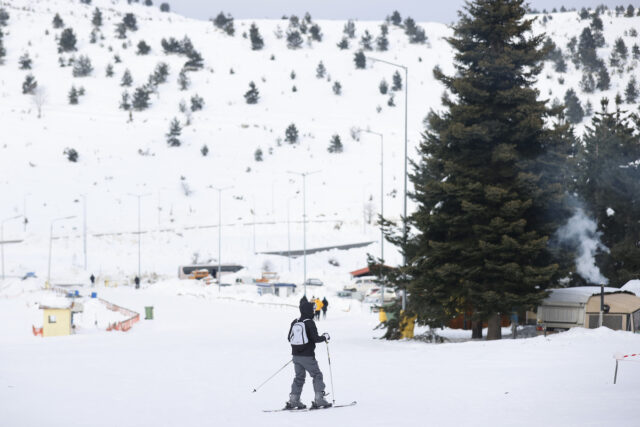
(634, 357)
(123, 325)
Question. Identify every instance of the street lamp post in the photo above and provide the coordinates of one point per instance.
(2, 238)
(304, 221)
(406, 108)
(84, 229)
(220, 190)
(139, 196)
(51, 245)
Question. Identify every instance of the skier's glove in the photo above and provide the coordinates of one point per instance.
(326, 337)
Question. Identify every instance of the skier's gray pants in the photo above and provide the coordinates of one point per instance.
(302, 364)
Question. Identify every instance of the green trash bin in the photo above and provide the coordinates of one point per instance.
(148, 313)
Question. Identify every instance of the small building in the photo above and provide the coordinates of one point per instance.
(56, 319)
(277, 289)
(371, 270)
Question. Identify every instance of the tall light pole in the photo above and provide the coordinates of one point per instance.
(139, 196)
(2, 238)
(304, 221)
(51, 244)
(381, 189)
(84, 229)
(406, 108)
(220, 190)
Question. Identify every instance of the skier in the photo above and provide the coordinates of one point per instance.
(137, 282)
(318, 307)
(93, 279)
(325, 306)
(303, 336)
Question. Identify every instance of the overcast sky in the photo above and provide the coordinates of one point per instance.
(420, 10)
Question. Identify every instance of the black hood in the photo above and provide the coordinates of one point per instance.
(307, 309)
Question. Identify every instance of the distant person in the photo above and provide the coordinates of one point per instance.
(303, 336)
(93, 279)
(137, 282)
(318, 308)
(325, 306)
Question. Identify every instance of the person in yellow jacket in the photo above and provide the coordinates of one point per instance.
(319, 305)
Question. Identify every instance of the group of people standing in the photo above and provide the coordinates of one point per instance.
(319, 305)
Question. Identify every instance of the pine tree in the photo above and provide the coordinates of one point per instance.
(365, 41)
(143, 48)
(204, 150)
(67, 41)
(160, 73)
(4, 17)
(130, 22)
(197, 103)
(3, 51)
(97, 18)
(604, 81)
(588, 84)
(396, 82)
(73, 96)
(57, 21)
(82, 66)
(257, 43)
(630, 11)
(195, 61)
(141, 98)
(25, 62)
(126, 78)
(294, 40)
(343, 44)
(291, 134)
(183, 80)
(164, 7)
(608, 186)
(29, 85)
(384, 87)
(335, 145)
(315, 32)
(360, 60)
(631, 91)
(574, 111)
(396, 19)
(635, 52)
(109, 70)
(121, 31)
(484, 197)
(124, 101)
(587, 50)
(320, 70)
(257, 155)
(175, 130)
(382, 42)
(337, 88)
(350, 29)
(252, 95)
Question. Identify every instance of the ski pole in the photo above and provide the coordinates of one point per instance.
(267, 380)
(333, 394)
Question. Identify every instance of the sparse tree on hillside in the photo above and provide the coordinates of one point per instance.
(183, 80)
(574, 111)
(604, 81)
(204, 150)
(130, 22)
(337, 88)
(631, 91)
(140, 100)
(109, 70)
(126, 78)
(97, 18)
(630, 11)
(175, 130)
(160, 73)
(587, 84)
(57, 21)
(320, 70)
(257, 155)
(3, 51)
(294, 39)
(252, 95)
(291, 134)
(197, 103)
(350, 29)
(343, 44)
(335, 145)
(72, 154)
(396, 82)
(25, 61)
(67, 41)
(73, 96)
(382, 42)
(360, 60)
(125, 104)
(82, 66)
(4, 17)
(365, 41)
(121, 31)
(315, 32)
(396, 19)
(384, 87)
(257, 43)
(143, 48)
(29, 85)
(194, 62)
(164, 7)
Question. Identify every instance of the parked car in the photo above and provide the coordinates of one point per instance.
(373, 295)
(313, 282)
(362, 284)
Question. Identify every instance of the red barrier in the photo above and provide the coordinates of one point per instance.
(37, 331)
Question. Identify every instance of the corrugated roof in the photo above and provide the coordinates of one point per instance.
(577, 295)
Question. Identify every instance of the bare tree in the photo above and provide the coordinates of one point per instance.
(39, 99)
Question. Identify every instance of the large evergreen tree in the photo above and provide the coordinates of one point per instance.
(487, 203)
(608, 180)
(67, 41)
(257, 43)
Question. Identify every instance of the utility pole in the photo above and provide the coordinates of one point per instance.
(139, 196)
(220, 190)
(304, 221)
(2, 243)
(84, 229)
(406, 109)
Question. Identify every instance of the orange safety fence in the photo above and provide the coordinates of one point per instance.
(37, 331)
(124, 325)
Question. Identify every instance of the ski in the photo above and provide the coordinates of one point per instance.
(310, 408)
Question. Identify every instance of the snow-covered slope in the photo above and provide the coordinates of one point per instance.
(118, 157)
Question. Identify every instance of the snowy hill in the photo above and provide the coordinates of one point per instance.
(119, 157)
